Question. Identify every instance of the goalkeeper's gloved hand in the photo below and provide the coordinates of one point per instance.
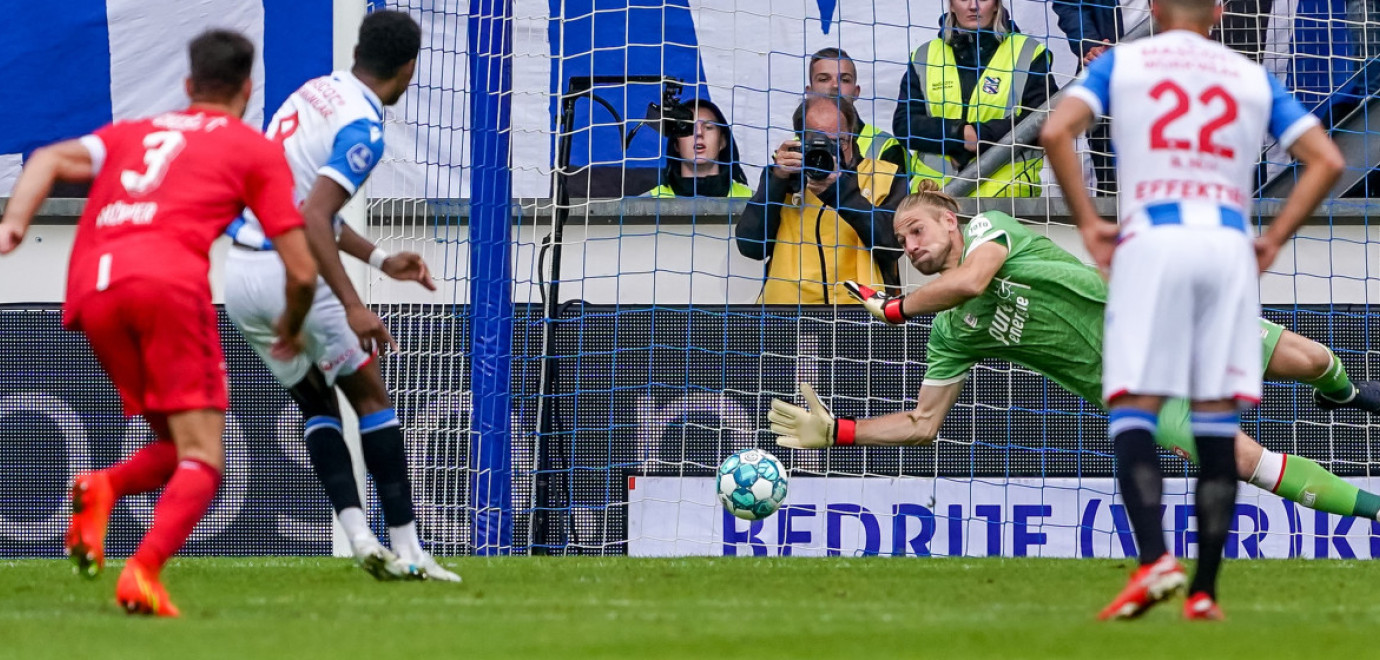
(882, 305)
(808, 428)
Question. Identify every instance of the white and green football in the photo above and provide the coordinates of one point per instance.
(752, 484)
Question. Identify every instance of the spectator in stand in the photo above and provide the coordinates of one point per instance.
(833, 73)
(1001, 75)
(818, 226)
(1363, 22)
(1093, 26)
(704, 163)
(1363, 18)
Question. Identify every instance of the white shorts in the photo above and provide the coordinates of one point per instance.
(1183, 316)
(255, 286)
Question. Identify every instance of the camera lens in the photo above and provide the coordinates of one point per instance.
(819, 163)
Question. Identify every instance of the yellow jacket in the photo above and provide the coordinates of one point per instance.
(814, 248)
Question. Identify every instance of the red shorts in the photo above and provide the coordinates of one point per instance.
(158, 344)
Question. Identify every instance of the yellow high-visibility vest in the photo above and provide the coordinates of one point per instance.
(995, 96)
(734, 191)
(872, 141)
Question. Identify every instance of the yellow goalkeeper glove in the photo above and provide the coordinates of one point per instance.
(882, 305)
(808, 428)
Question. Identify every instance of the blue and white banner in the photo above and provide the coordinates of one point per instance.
(82, 63)
(75, 65)
(673, 516)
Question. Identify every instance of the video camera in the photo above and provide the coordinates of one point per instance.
(671, 118)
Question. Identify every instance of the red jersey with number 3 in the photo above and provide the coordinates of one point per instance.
(165, 188)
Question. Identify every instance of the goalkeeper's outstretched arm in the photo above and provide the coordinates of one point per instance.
(954, 286)
(814, 427)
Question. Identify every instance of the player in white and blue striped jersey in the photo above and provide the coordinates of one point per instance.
(1189, 119)
(331, 130)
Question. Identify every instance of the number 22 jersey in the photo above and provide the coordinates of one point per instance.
(165, 188)
(1189, 119)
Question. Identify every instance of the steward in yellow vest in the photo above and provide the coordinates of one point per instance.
(974, 83)
(704, 163)
(815, 234)
(735, 190)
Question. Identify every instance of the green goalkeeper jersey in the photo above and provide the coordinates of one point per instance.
(1042, 310)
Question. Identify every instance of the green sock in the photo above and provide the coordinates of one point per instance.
(1309, 484)
(1334, 383)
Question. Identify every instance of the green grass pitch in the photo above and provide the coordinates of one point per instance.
(525, 607)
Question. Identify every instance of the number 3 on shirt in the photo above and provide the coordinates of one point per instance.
(1181, 107)
(160, 149)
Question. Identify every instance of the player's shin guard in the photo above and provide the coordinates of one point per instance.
(1301, 480)
(1215, 497)
(184, 502)
(146, 470)
(1138, 474)
(330, 458)
(386, 458)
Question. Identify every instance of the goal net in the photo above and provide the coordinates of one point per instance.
(604, 331)
(643, 351)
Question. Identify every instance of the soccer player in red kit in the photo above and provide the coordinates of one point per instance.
(163, 189)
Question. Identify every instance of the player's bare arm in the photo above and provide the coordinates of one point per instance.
(928, 230)
(64, 161)
(1322, 164)
(323, 202)
(300, 270)
(1071, 118)
(951, 289)
(814, 427)
(403, 266)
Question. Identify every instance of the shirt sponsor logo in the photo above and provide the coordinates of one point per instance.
(978, 226)
(990, 85)
(360, 158)
(119, 213)
(176, 121)
(1190, 190)
(1008, 322)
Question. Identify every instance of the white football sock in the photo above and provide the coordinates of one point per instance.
(405, 543)
(356, 526)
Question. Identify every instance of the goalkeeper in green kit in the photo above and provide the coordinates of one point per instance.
(1006, 293)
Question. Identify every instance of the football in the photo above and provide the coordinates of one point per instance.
(752, 484)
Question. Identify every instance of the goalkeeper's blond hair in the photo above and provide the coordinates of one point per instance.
(928, 195)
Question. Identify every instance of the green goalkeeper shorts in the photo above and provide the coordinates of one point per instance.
(1174, 432)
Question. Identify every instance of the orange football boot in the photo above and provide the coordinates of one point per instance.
(92, 500)
(140, 592)
(1150, 584)
(1201, 607)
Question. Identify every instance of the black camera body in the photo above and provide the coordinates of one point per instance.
(672, 118)
(819, 155)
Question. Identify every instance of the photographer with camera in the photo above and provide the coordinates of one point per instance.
(822, 214)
